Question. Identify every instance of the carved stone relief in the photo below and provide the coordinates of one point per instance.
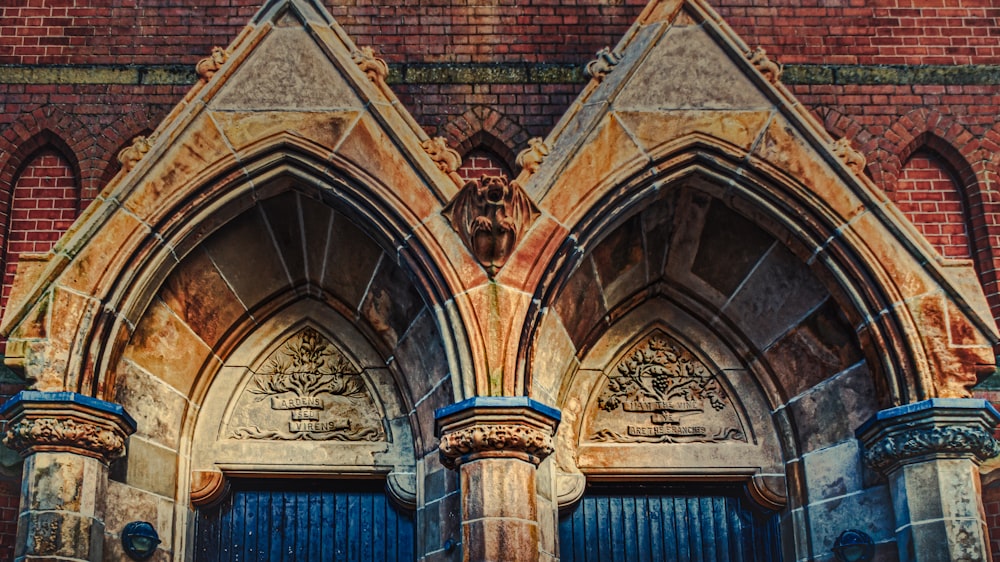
(490, 214)
(374, 67)
(602, 65)
(661, 393)
(208, 66)
(852, 158)
(307, 390)
(130, 155)
(770, 69)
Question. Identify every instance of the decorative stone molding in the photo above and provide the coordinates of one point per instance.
(770, 69)
(66, 422)
(208, 487)
(946, 441)
(604, 63)
(496, 427)
(531, 158)
(852, 158)
(448, 160)
(374, 67)
(208, 66)
(940, 428)
(130, 155)
(490, 214)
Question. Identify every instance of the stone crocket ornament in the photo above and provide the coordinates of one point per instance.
(490, 214)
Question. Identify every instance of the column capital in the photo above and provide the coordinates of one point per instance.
(938, 428)
(514, 427)
(66, 422)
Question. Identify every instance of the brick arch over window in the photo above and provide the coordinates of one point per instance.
(44, 202)
(927, 191)
(486, 128)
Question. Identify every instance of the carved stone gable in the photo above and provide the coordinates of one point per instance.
(307, 390)
(661, 393)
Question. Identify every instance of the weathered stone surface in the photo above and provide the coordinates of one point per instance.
(201, 298)
(651, 129)
(253, 282)
(419, 354)
(819, 347)
(688, 70)
(831, 412)
(729, 248)
(350, 257)
(391, 303)
(157, 407)
(869, 511)
(833, 472)
(498, 488)
(777, 296)
(619, 260)
(244, 128)
(582, 307)
(151, 467)
(166, 347)
(289, 71)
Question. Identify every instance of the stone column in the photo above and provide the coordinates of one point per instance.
(496, 444)
(930, 452)
(67, 440)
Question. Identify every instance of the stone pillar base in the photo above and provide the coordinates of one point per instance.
(496, 444)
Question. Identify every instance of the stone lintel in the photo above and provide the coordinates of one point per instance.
(66, 422)
(515, 427)
(938, 428)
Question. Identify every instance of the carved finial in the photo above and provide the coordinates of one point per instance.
(447, 159)
(130, 155)
(376, 68)
(851, 157)
(770, 69)
(603, 64)
(490, 214)
(208, 66)
(530, 158)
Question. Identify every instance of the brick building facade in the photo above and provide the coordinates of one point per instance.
(913, 84)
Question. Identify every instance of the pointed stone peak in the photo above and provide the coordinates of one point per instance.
(281, 12)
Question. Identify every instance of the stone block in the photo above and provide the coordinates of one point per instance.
(833, 472)
(391, 304)
(831, 412)
(151, 467)
(498, 488)
(868, 510)
(728, 248)
(817, 348)
(581, 305)
(500, 540)
(59, 535)
(166, 347)
(420, 357)
(157, 407)
(776, 297)
(348, 244)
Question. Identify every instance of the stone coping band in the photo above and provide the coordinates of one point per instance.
(505, 73)
(498, 402)
(27, 397)
(967, 406)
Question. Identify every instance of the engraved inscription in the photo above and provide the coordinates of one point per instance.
(307, 390)
(661, 393)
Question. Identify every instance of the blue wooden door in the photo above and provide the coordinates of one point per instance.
(666, 524)
(318, 521)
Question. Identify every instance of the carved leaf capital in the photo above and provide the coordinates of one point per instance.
(29, 435)
(946, 441)
(513, 440)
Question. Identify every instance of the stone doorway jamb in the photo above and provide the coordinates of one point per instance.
(496, 443)
(930, 451)
(67, 441)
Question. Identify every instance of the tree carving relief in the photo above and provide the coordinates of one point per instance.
(661, 393)
(491, 214)
(307, 390)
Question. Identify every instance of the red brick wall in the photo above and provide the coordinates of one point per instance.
(927, 193)
(479, 163)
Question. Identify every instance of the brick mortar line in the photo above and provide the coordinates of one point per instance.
(508, 73)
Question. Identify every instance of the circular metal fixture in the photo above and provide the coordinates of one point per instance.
(139, 539)
(854, 546)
